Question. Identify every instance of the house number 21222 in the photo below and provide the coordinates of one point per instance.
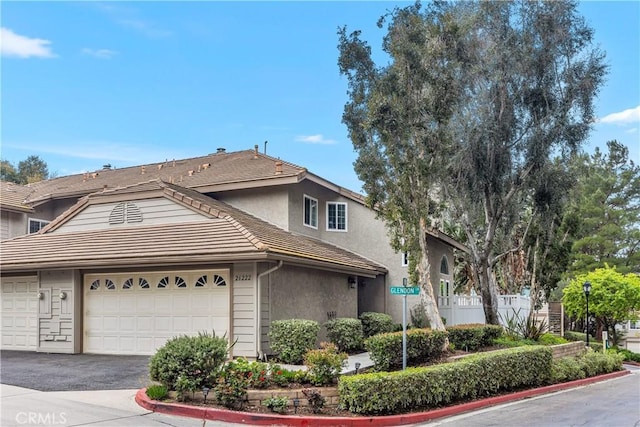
(241, 277)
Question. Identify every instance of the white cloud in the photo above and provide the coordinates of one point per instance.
(623, 117)
(12, 44)
(100, 53)
(315, 139)
(632, 130)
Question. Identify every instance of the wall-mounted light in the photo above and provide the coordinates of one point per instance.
(63, 295)
(351, 281)
(40, 295)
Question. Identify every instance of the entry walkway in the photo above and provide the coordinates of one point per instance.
(362, 359)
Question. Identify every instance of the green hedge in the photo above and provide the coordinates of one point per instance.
(427, 387)
(385, 350)
(588, 365)
(292, 338)
(376, 323)
(346, 334)
(470, 337)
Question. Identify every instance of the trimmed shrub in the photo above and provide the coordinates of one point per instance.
(376, 323)
(491, 333)
(325, 364)
(595, 363)
(551, 339)
(346, 333)
(628, 355)
(423, 345)
(189, 363)
(566, 369)
(277, 404)
(292, 338)
(469, 337)
(432, 386)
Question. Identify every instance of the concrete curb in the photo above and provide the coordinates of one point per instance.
(388, 420)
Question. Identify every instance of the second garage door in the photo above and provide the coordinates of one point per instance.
(19, 297)
(136, 313)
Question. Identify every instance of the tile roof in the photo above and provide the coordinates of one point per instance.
(13, 196)
(244, 168)
(225, 234)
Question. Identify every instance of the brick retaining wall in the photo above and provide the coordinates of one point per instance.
(256, 397)
(570, 349)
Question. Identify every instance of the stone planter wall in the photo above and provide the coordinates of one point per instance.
(256, 397)
(570, 349)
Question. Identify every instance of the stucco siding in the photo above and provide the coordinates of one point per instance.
(152, 212)
(270, 203)
(298, 293)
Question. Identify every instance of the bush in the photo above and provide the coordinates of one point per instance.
(628, 355)
(189, 363)
(157, 391)
(233, 382)
(423, 345)
(510, 341)
(468, 337)
(491, 333)
(325, 364)
(551, 339)
(427, 387)
(277, 404)
(292, 338)
(594, 363)
(376, 323)
(419, 317)
(566, 369)
(346, 333)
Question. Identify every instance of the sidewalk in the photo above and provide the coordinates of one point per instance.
(361, 358)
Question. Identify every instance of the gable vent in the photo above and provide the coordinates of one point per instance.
(125, 212)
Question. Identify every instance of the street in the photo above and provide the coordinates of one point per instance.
(613, 403)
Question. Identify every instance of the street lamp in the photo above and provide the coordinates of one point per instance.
(586, 287)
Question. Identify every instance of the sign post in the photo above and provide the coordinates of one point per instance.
(404, 291)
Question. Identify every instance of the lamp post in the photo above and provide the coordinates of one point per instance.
(586, 287)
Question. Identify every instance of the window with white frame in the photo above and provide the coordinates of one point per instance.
(310, 212)
(36, 225)
(336, 216)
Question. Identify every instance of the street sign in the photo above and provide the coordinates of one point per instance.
(402, 290)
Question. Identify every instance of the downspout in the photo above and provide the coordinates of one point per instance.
(261, 356)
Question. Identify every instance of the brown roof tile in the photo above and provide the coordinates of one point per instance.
(242, 167)
(13, 196)
(229, 235)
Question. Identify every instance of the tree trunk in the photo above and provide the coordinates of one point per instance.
(424, 280)
(488, 292)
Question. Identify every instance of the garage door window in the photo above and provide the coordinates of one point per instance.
(164, 282)
(201, 282)
(108, 283)
(180, 283)
(144, 284)
(219, 281)
(128, 284)
(95, 285)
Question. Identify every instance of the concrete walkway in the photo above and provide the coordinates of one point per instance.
(350, 368)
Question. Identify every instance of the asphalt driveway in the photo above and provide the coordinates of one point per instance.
(71, 372)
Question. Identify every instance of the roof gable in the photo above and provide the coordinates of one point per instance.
(220, 233)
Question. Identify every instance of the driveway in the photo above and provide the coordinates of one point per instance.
(68, 372)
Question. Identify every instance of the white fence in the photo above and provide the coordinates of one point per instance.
(462, 309)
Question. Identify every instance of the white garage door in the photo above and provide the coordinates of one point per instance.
(19, 313)
(136, 313)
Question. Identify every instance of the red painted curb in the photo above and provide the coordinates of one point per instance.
(388, 420)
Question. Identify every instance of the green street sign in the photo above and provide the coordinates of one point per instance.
(402, 290)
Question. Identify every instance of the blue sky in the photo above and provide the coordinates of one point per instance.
(127, 83)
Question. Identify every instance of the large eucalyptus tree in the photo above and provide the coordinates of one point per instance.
(477, 100)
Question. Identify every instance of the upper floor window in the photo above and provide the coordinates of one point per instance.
(444, 265)
(336, 216)
(36, 225)
(405, 259)
(310, 212)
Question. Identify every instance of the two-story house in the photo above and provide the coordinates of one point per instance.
(120, 260)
